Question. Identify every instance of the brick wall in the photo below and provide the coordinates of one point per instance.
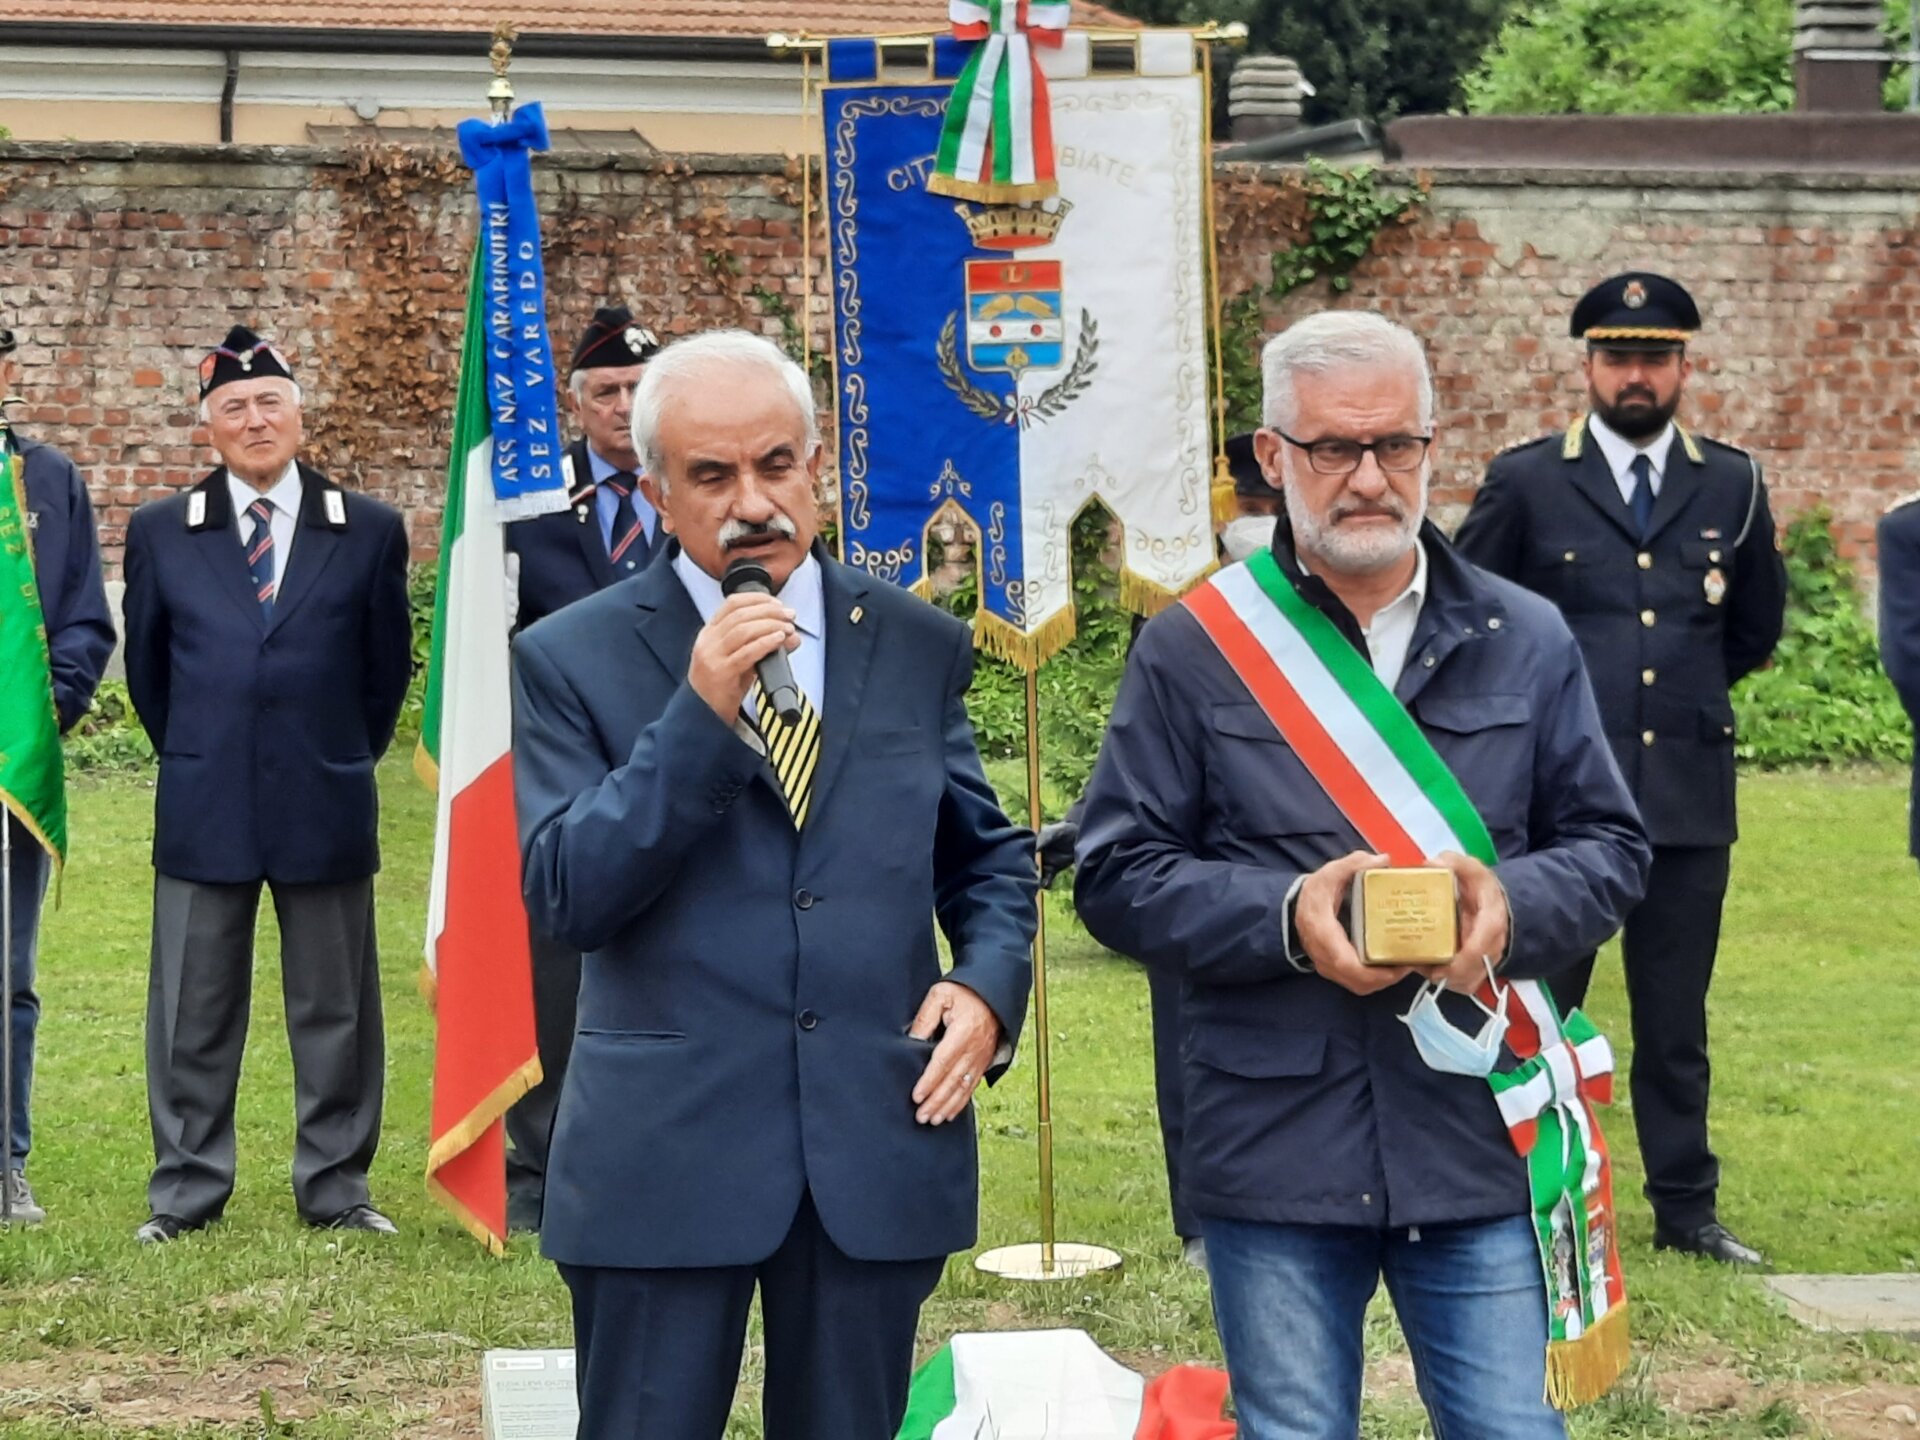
(118, 264)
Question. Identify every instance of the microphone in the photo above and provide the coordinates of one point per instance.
(750, 577)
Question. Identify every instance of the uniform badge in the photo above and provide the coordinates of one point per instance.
(1635, 295)
(639, 338)
(856, 616)
(336, 508)
(33, 520)
(196, 509)
(1710, 533)
(581, 511)
(1715, 586)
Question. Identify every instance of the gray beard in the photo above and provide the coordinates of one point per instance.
(1353, 552)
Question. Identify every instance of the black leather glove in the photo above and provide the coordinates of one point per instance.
(1055, 847)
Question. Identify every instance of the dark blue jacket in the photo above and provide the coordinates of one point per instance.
(1666, 623)
(562, 557)
(1307, 1103)
(66, 567)
(1900, 623)
(745, 990)
(267, 734)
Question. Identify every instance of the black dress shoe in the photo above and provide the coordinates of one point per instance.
(1712, 1240)
(359, 1217)
(159, 1229)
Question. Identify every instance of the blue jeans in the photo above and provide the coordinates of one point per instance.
(1290, 1302)
(30, 870)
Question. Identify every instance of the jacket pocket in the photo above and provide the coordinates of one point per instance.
(1717, 724)
(635, 1037)
(1246, 721)
(1259, 1054)
(1470, 714)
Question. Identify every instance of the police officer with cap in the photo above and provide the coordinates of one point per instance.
(1899, 550)
(269, 648)
(609, 533)
(73, 602)
(1659, 548)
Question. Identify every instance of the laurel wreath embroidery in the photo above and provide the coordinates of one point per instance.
(1016, 409)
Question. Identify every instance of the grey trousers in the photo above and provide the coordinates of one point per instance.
(199, 996)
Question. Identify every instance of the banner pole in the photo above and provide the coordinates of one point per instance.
(6, 1019)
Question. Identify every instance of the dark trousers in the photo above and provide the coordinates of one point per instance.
(1169, 1093)
(556, 999)
(1668, 948)
(199, 997)
(658, 1351)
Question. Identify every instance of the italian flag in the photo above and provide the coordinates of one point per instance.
(479, 964)
(1047, 1382)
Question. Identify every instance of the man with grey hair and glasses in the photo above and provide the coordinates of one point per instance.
(1274, 739)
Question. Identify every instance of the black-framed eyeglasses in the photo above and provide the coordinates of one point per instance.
(1342, 457)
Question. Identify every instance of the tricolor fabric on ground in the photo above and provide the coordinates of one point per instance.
(478, 956)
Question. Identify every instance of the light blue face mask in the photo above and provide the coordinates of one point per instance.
(1445, 1047)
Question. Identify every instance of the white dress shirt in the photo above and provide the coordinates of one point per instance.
(1391, 630)
(285, 495)
(803, 595)
(1620, 451)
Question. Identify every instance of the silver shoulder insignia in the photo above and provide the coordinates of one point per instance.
(336, 508)
(196, 509)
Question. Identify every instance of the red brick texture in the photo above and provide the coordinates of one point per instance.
(118, 265)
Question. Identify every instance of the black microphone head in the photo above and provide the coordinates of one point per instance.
(746, 574)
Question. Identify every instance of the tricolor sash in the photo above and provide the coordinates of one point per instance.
(1363, 748)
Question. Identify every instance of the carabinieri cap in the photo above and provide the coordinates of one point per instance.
(243, 355)
(1636, 311)
(612, 340)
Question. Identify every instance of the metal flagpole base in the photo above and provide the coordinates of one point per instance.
(1029, 1262)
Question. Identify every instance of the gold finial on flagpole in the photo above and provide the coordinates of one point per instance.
(500, 93)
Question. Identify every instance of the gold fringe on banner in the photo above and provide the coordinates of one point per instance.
(1148, 597)
(1580, 1371)
(923, 587)
(988, 193)
(1027, 649)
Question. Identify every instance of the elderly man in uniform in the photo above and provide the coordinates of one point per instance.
(1659, 548)
(1899, 551)
(610, 532)
(1333, 1134)
(73, 602)
(268, 653)
(771, 1078)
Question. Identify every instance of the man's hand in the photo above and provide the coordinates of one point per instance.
(1054, 844)
(963, 1054)
(1484, 923)
(743, 632)
(1316, 924)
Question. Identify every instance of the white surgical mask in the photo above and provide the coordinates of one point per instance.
(1246, 534)
(1447, 1048)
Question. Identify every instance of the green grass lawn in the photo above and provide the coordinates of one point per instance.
(1816, 1122)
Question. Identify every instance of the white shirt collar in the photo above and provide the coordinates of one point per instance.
(1619, 451)
(802, 593)
(285, 493)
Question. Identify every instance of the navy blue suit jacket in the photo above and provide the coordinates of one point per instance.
(66, 568)
(267, 733)
(1307, 1103)
(1900, 623)
(746, 989)
(563, 556)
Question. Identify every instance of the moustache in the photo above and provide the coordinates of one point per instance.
(1384, 509)
(739, 532)
(1638, 392)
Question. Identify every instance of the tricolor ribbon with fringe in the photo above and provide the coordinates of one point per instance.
(1364, 749)
(997, 144)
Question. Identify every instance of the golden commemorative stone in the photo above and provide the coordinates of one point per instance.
(1406, 916)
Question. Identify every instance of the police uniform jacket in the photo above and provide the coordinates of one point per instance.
(1667, 623)
(1900, 621)
(267, 730)
(66, 568)
(562, 557)
(1305, 1103)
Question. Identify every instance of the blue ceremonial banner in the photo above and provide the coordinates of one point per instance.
(1015, 363)
(521, 391)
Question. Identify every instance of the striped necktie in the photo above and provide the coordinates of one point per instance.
(627, 530)
(792, 750)
(260, 554)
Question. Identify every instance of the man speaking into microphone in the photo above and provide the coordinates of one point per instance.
(771, 1075)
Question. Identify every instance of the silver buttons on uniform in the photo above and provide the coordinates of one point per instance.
(1646, 737)
(1646, 618)
(1646, 677)
(1646, 560)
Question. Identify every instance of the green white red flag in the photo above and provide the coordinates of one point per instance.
(480, 969)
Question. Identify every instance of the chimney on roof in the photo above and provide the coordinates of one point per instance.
(1840, 55)
(1263, 97)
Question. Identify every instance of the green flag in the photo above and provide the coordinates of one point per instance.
(32, 773)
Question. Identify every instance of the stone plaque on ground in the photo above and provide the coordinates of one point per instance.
(528, 1395)
(1852, 1303)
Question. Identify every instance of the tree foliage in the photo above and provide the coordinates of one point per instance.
(1645, 57)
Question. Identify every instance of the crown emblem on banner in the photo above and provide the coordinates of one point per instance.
(1012, 227)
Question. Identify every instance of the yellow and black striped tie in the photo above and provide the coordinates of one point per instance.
(793, 751)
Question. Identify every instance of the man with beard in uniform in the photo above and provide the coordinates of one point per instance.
(609, 533)
(1659, 548)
